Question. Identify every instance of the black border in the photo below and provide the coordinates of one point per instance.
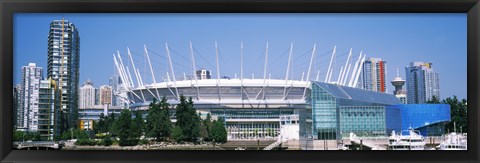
(9, 7)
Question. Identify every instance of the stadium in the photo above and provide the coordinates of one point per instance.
(258, 108)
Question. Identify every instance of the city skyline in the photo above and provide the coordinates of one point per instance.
(254, 41)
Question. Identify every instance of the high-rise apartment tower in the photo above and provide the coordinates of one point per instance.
(373, 75)
(63, 66)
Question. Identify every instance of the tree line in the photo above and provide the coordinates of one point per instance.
(157, 125)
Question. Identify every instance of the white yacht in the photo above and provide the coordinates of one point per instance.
(453, 141)
(406, 140)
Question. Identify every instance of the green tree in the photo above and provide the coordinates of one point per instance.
(107, 141)
(25, 136)
(177, 134)
(75, 134)
(218, 132)
(187, 119)
(434, 100)
(138, 125)
(18, 135)
(123, 129)
(100, 124)
(205, 127)
(458, 112)
(109, 124)
(159, 125)
(208, 125)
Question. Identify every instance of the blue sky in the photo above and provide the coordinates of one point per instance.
(396, 38)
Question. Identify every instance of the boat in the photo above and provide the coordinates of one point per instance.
(240, 148)
(406, 140)
(453, 141)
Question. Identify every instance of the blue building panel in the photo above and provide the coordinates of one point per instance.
(393, 119)
(429, 119)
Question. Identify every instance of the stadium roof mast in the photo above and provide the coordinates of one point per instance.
(218, 73)
(151, 70)
(346, 74)
(329, 70)
(352, 77)
(265, 66)
(173, 72)
(359, 70)
(137, 73)
(265, 72)
(134, 68)
(241, 70)
(309, 68)
(141, 84)
(288, 68)
(140, 76)
(345, 67)
(125, 75)
(241, 62)
(339, 75)
(194, 70)
(130, 77)
(121, 73)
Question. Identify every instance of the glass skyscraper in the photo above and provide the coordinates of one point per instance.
(63, 66)
(422, 83)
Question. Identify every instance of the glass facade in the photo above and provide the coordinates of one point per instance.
(429, 119)
(324, 113)
(338, 110)
(362, 120)
(393, 120)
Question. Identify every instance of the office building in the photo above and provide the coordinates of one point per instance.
(27, 118)
(374, 74)
(63, 66)
(422, 83)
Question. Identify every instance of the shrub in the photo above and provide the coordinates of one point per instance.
(177, 134)
(83, 142)
(128, 142)
(107, 141)
(143, 141)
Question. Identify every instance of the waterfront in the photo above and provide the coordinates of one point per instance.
(344, 144)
